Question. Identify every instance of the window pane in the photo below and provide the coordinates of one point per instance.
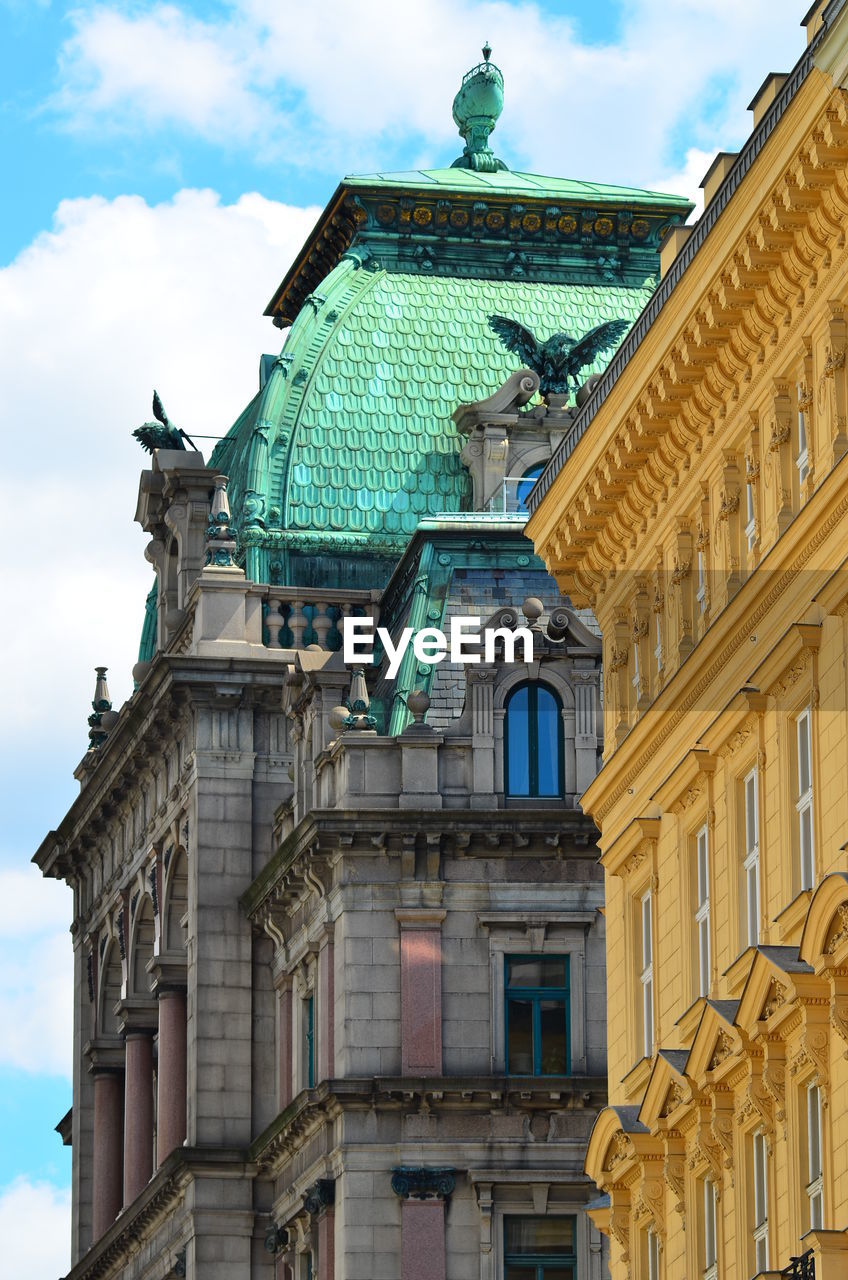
(703, 876)
(751, 811)
(814, 1132)
(520, 1037)
(806, 823)
(525, 484)
(803, 754)
(520, 1273)
(558, 1273)
(548, 720)
(542, 1237)
(647, 947)
(518, 742)
(554, 1039)
(536, 971)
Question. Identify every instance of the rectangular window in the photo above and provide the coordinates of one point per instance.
(702, 910)
(804, 803)
(308, 1037)
(751, 866)
(653, 1255)
(750, 517)
(761, 1250)
(540, 1248)
(646, 977)
(537, 1015)
(702, 583)
(815, 1194)
(710, 1241)
(802, 461)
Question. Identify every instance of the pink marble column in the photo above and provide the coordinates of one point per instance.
(325, 1228)
(421, 992)
(423, 1240)
(284, 1011)
(171, 1108)
(326, 1011)
(108, 1143)
(138, 1114)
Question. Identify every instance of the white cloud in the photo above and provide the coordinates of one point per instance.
(345, 92)
(118, 298)
(36, 998)
(35, 1227)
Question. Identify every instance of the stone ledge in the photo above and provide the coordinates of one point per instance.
(148, 1210)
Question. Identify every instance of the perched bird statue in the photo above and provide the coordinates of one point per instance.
(559, 360)
(167, 436)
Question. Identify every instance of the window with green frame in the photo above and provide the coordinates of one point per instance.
(537, 996)
(533, 747)
(540, 1248)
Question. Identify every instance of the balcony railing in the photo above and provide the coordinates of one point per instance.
(511, 496)
(294, 617)
(802, 1268)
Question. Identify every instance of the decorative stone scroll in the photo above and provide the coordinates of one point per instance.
(422, 1182)
(320, 1196)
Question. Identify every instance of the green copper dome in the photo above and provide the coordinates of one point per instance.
(349, 443)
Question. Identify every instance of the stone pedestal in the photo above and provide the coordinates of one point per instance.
(108, 1145)
(138, 1114)
(172, 1073)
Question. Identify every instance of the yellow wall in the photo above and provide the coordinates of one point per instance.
(753, 335)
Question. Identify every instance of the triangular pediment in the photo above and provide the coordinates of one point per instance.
(717, 1040)
(667, 1088)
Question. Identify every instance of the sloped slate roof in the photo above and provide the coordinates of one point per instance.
(360, 441)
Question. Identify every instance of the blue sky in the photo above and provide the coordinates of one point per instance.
(162, 163)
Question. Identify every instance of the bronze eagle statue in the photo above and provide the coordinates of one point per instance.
(152, 436)
(557, 361)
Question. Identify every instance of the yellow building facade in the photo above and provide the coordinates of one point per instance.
(700, 507)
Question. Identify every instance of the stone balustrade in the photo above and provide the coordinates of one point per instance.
(294, 618)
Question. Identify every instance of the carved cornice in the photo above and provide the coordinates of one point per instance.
(726, 342)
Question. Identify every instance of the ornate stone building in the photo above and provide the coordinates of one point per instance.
(338, 940)
(699, 505)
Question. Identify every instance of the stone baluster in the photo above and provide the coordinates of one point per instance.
(274, 622)
(321, 623)
(297, 623)
(344, 609)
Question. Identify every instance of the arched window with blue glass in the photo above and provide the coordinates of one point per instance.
(525, 484)
(533, 746)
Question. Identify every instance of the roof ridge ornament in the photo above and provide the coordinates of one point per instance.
(476, 109)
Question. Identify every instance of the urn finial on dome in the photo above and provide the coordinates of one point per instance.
(476, 109)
